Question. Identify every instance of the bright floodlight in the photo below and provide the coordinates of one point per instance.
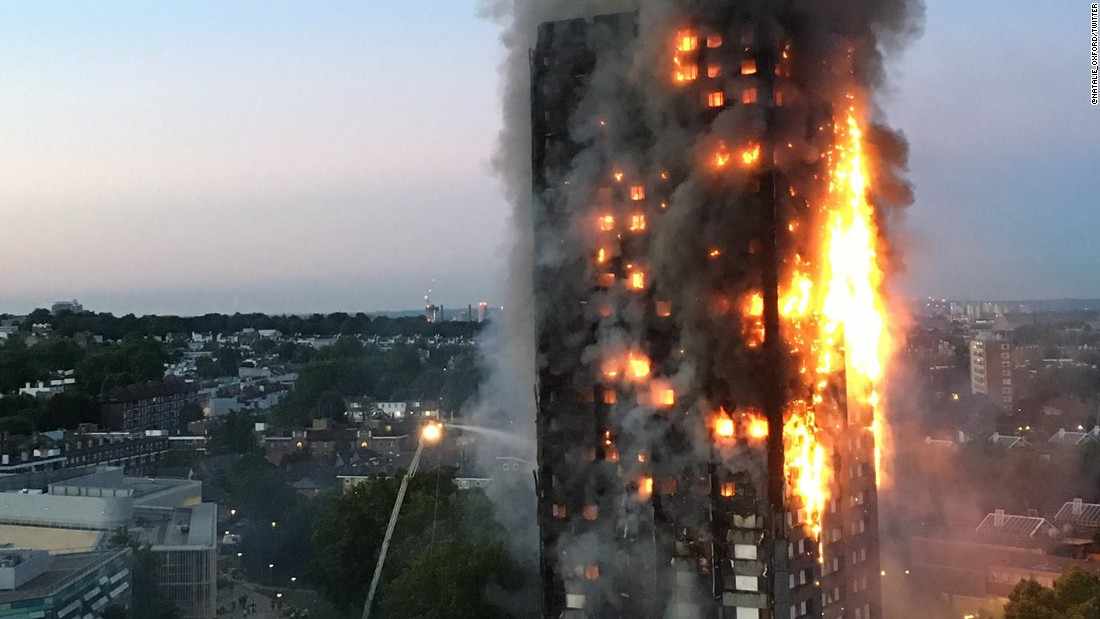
(432, 432)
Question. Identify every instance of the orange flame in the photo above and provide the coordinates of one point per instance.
(638, 364)
(750, 155)
(834, 312)
(757, 427)
(686, 41)
(854, 300)
(723, 427)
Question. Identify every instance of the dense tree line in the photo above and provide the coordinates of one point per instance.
(350, 368)
(1075, 595)
(447, 559)
(97, 368)
(323, 325)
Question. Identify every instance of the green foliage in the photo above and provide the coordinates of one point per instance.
(326, 325)
(446, 552)
(234, 434)
(189, 413)
(133, 361)
(1075, 595)
(262, 496)
(450, 581)
(66, 410)
(225, 362)
(147, 602)
(18, 413)
(330, 405)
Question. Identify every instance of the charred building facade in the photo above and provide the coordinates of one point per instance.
(700, 453)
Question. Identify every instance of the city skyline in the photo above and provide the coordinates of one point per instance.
(256, 158)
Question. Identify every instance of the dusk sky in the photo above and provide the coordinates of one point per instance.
(292, 157)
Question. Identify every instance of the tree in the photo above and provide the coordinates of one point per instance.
(67, 410)
(447, 550)
(453, 580)
(1075, 595)
(189, 413)
(147, 602)
(330, 405)
(234, 434)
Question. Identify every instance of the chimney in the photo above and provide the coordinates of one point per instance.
(999, 518)
(1078, 506)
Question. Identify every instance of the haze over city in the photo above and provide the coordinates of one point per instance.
(293, 158)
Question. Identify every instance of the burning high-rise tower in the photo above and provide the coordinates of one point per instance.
(710, 324)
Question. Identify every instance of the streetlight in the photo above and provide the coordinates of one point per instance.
(274, 524)
(431, 433)
(240, 554)
(293, 579)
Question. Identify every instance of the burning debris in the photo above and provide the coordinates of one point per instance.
(710, 263)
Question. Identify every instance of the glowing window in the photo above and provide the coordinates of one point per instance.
(716, 99)
(637, 222)
(714, 70)
(748, 66)
(611, 454)
(637, 192)
(645, 487)
(607, 280)
(637, 280)
(686, 41)
(685, 73)
(664, 309)
(714, 40)
(638, 364)
(590, 512)
(748, 96)
(663, 396)
(558, 511)
(601, 255)
(609, 396)
(592, 572)
(728, 489)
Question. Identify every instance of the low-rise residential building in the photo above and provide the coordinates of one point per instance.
(137, 453)
(147, 406)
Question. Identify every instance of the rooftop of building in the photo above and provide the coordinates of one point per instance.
(1079, 513)
(55, 540)
(142, 489)
(179, 527)
(1000, 524)
(148, 390)
(63, 570)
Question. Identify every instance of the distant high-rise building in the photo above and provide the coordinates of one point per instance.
(991, 367)
(482, 311)
(73, 307)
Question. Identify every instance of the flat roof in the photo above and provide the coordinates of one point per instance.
(55, 540)
(63, 569)
(177, 527)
